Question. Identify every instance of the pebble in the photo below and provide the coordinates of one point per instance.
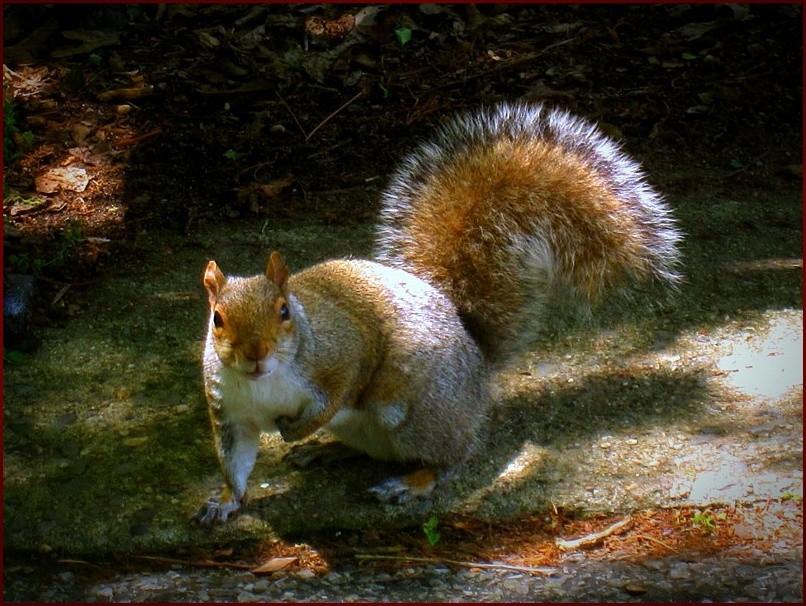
(246, 597)
(66, 576)
(679, 571)
(708, 578)
(511, 584)
(306, 573)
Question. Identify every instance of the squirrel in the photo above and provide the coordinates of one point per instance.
(395, 356)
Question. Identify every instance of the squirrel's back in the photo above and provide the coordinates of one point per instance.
(504, 206)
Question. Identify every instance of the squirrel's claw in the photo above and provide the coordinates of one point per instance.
(214, 512)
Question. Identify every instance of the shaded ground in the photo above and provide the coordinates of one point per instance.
(227, 131)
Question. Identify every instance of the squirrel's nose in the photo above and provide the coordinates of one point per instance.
(256, 351)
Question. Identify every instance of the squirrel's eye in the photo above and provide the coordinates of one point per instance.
(285, 314)
(218, 321)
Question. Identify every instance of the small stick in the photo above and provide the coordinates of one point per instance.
(76, 562)
(255, 167)
(568, 545)
(504, 65)
(60, 294)
(513, 567)
(653, 540)
(200, 563)
(134, 140)
(60, 283)
(325, 121)
(284, 102)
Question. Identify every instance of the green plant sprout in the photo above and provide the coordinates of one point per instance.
(430, 530)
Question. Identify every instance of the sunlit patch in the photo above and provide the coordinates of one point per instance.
(768, 365)
(521, 466)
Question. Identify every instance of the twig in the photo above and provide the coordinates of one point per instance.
(506, 64)
(254, 167)
(747, 166)
(326, 120)
(139, 139)
(288, 107)
(595, 537)
(60, 283)
(513, 567)
(199, 563)
(653, 540)
(76, 562)
(247, 89)
(60, 294)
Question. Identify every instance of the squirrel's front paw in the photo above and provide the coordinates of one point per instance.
(215, 512)
(291, 429)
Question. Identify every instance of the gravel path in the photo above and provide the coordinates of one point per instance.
(721, 578)
(742, 444)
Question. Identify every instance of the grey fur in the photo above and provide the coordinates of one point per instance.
(533, 256)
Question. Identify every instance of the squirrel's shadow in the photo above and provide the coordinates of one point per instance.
(331, 496)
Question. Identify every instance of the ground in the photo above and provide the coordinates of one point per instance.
(144, 133)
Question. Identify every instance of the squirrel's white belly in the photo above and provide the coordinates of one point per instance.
(262, 400)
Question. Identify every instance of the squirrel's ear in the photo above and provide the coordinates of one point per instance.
(213, 280)
(277, 270)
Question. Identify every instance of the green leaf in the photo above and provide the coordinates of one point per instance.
(430, 530)
(706, 98)
(231, 154)
(704, 519)
(403, 35)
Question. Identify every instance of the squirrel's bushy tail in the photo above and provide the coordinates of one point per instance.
(506, 205)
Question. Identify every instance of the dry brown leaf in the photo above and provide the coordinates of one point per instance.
(71, 178)
(275, 564)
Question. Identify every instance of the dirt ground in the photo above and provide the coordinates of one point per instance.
(146, 140)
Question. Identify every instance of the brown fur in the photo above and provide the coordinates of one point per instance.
(509, 206)
(477, 229)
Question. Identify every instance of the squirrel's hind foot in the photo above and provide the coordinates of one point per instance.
(403, 489)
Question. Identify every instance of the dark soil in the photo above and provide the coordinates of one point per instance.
(182, 114)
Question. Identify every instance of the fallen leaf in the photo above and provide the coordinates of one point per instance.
(274, 564)
(25, 207)
(71, 178)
